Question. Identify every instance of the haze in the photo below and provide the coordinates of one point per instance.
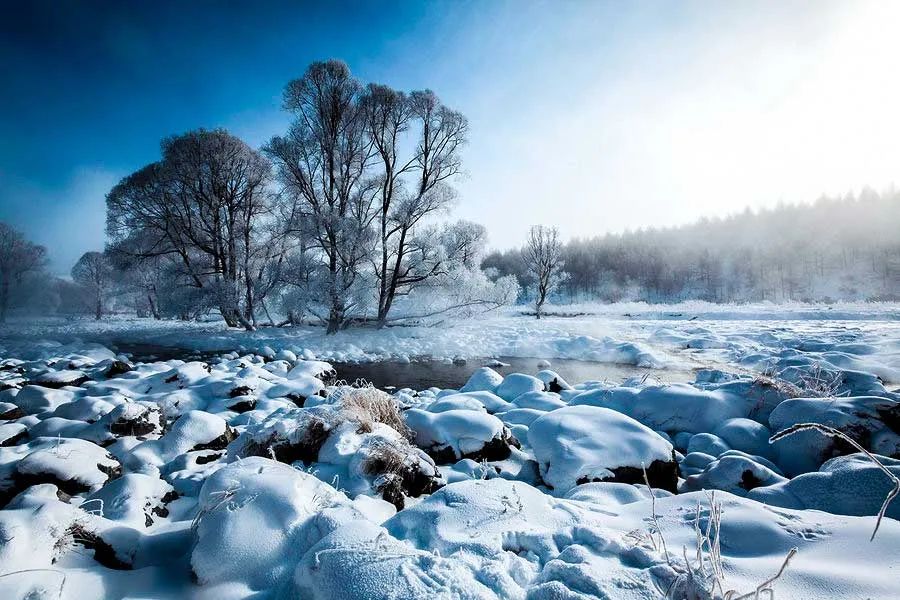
(592, 117)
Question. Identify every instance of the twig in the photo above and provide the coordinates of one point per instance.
(62, 582)
(766, 585)
(662, 538)
(830, 431)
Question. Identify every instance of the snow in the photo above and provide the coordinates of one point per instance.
(585, 443)
(251, 527)
(516, 384)
(463, 431)
(484, 379)
(253, 474)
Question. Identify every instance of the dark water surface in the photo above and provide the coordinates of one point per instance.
(428, 372)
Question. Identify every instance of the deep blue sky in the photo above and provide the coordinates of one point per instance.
(91, 87)
(593, 116)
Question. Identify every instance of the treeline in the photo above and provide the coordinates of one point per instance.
(844, 248)
(336, 221)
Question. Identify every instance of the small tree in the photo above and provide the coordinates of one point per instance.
(94, 272)
(543, 256)
(18, 257)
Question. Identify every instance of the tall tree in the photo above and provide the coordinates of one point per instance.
(412, 188)
(94, 273)
(322, 163)
(205, 206)
(543, 255)
(18, 257)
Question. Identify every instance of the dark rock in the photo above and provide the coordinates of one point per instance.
(208, 457)
(14, 439)
(118, 367)
(219, 443)
(498, 448)
(246, 403)
(12, 414)
(104, 553)
(749, 480)
(241, 390)
(661, 474)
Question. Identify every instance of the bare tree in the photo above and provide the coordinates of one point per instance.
(18, 257)
(322, 163)
(204, 207)
(94, 272)
(543, 255)
(413, 188)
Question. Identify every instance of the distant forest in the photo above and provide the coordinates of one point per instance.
(834, 249)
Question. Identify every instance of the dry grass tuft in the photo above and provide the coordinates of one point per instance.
(367, 406)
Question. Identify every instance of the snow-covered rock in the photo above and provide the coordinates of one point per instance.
(257, 518)
(553, 381)
(746, 435)
(194, 430)
(35, 399)
(539, 400)
(454, 434)
(872, 421)
(845, 485)
(74, 466)
(672, 408)
(484, 379)
(516, 384)
(134, 499)
(578, 444)
(733, 473)
(58, 379)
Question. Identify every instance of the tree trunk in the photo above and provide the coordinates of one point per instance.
(229, 316)
(335, 319)
(153, 309)
(99, 308)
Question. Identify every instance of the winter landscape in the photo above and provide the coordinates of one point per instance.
(319, 339)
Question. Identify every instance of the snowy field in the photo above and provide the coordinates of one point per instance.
(254, 473)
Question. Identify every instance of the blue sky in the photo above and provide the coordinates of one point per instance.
(591, 116)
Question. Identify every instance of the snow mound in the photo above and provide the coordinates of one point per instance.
(846, 485)
(134, 499)
(673, 408)
(516, 384)
(733, 473)
(454, 434)
(361, 561)
(75, 466)
(870, 420)
(484, 379)
(578, 444)
(251, 523)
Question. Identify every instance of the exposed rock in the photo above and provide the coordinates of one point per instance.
(59, 379)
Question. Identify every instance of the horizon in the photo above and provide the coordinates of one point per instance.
(757, 105)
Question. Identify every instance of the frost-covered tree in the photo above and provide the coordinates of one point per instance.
(365, 167)
(94, 272)
(449, 259)
(18, 258)
(543, 256)
(322, 163)
(412, 184)
(206, 208)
